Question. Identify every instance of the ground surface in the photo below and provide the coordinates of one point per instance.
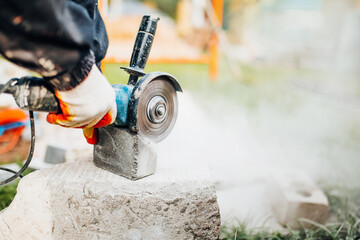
(247, 130)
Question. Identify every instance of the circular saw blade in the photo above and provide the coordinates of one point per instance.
(157, 110)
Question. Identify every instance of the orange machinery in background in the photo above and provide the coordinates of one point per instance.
(212, 58)
(218, 9)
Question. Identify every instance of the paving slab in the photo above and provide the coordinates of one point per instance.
(80, 201)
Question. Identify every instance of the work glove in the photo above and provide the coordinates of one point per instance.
(86, 99)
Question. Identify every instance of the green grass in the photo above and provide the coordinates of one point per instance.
(7, 194)
(8, 191)
(344, 210)
(254, 84)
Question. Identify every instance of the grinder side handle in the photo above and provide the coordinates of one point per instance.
(141, 50)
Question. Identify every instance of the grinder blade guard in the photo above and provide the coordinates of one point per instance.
(152, 108)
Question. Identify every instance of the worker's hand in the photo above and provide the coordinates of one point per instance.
(89, 105)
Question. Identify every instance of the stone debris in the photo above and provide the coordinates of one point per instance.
(298, 201)
(55, 154)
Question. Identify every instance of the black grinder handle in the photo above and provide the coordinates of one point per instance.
(33, 94)
(142, 47)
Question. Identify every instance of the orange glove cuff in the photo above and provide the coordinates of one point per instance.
(91, 135)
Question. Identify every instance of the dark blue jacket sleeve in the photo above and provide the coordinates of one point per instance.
(51, 36)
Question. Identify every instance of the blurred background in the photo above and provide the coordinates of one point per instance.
(271, 88)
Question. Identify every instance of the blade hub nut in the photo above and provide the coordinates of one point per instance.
(156, 110)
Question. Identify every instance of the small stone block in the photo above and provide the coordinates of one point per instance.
(297, 197)
(124, 153)
(54, 154)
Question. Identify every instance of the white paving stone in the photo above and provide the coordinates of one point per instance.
(297, 199)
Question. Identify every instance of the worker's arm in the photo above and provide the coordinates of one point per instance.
(51, 36)
(62, 40)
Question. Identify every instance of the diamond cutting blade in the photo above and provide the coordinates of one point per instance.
(157, 110)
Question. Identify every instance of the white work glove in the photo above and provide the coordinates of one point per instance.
(89, 105)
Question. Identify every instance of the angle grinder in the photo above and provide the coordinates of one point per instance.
(147, 105)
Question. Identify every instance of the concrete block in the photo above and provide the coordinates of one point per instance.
(80, 201)
(124, 153)
(297, 197)
(55, 154)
